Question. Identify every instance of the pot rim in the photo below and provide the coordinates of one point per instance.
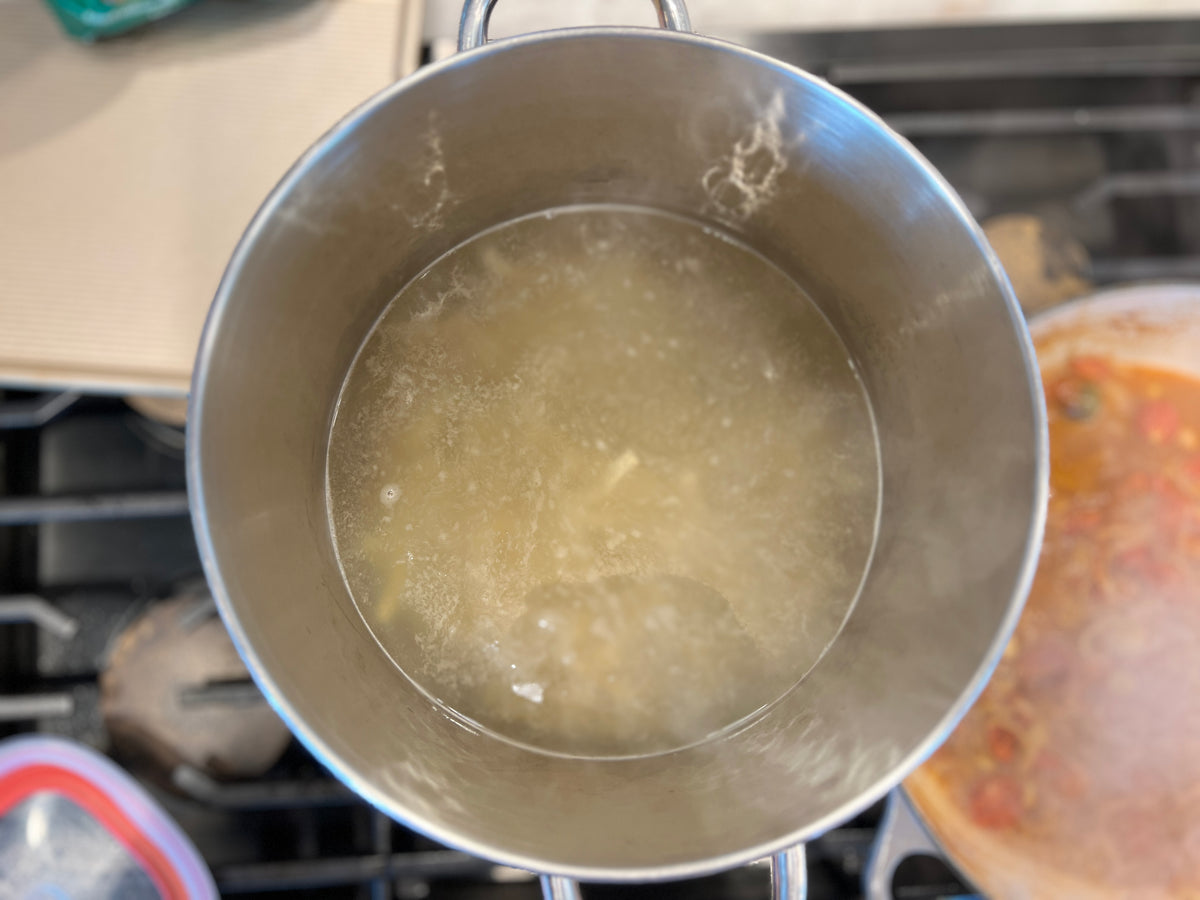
(394, 807)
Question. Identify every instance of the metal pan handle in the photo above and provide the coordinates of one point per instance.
(789, 879)
(473, 27)
(556, 888)
(901, 835)
(789, 874)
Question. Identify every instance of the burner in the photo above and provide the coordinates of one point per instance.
(175, 693)
(1045, 264)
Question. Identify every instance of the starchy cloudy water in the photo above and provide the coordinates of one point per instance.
(603, 481)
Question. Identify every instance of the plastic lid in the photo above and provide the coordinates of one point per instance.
(74, 825)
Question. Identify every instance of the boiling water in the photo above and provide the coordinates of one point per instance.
(603, 481)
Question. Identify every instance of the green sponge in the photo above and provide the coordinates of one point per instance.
(92, 19)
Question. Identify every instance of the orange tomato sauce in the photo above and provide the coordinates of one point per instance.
(1077, 773)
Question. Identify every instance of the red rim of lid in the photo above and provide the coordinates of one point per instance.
(26, 781)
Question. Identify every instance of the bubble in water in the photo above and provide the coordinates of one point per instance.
(531, 691)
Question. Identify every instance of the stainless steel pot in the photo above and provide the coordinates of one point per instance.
(669, 120)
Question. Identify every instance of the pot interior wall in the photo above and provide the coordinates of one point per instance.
(706, 130)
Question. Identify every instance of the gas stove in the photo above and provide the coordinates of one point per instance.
(1092, 132)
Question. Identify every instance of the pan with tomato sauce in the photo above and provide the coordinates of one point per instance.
(1077, 773)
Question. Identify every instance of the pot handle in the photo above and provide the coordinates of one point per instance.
(901, 835)
(555, 887)
(789, 874)
(789, 879)
(472, 28)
